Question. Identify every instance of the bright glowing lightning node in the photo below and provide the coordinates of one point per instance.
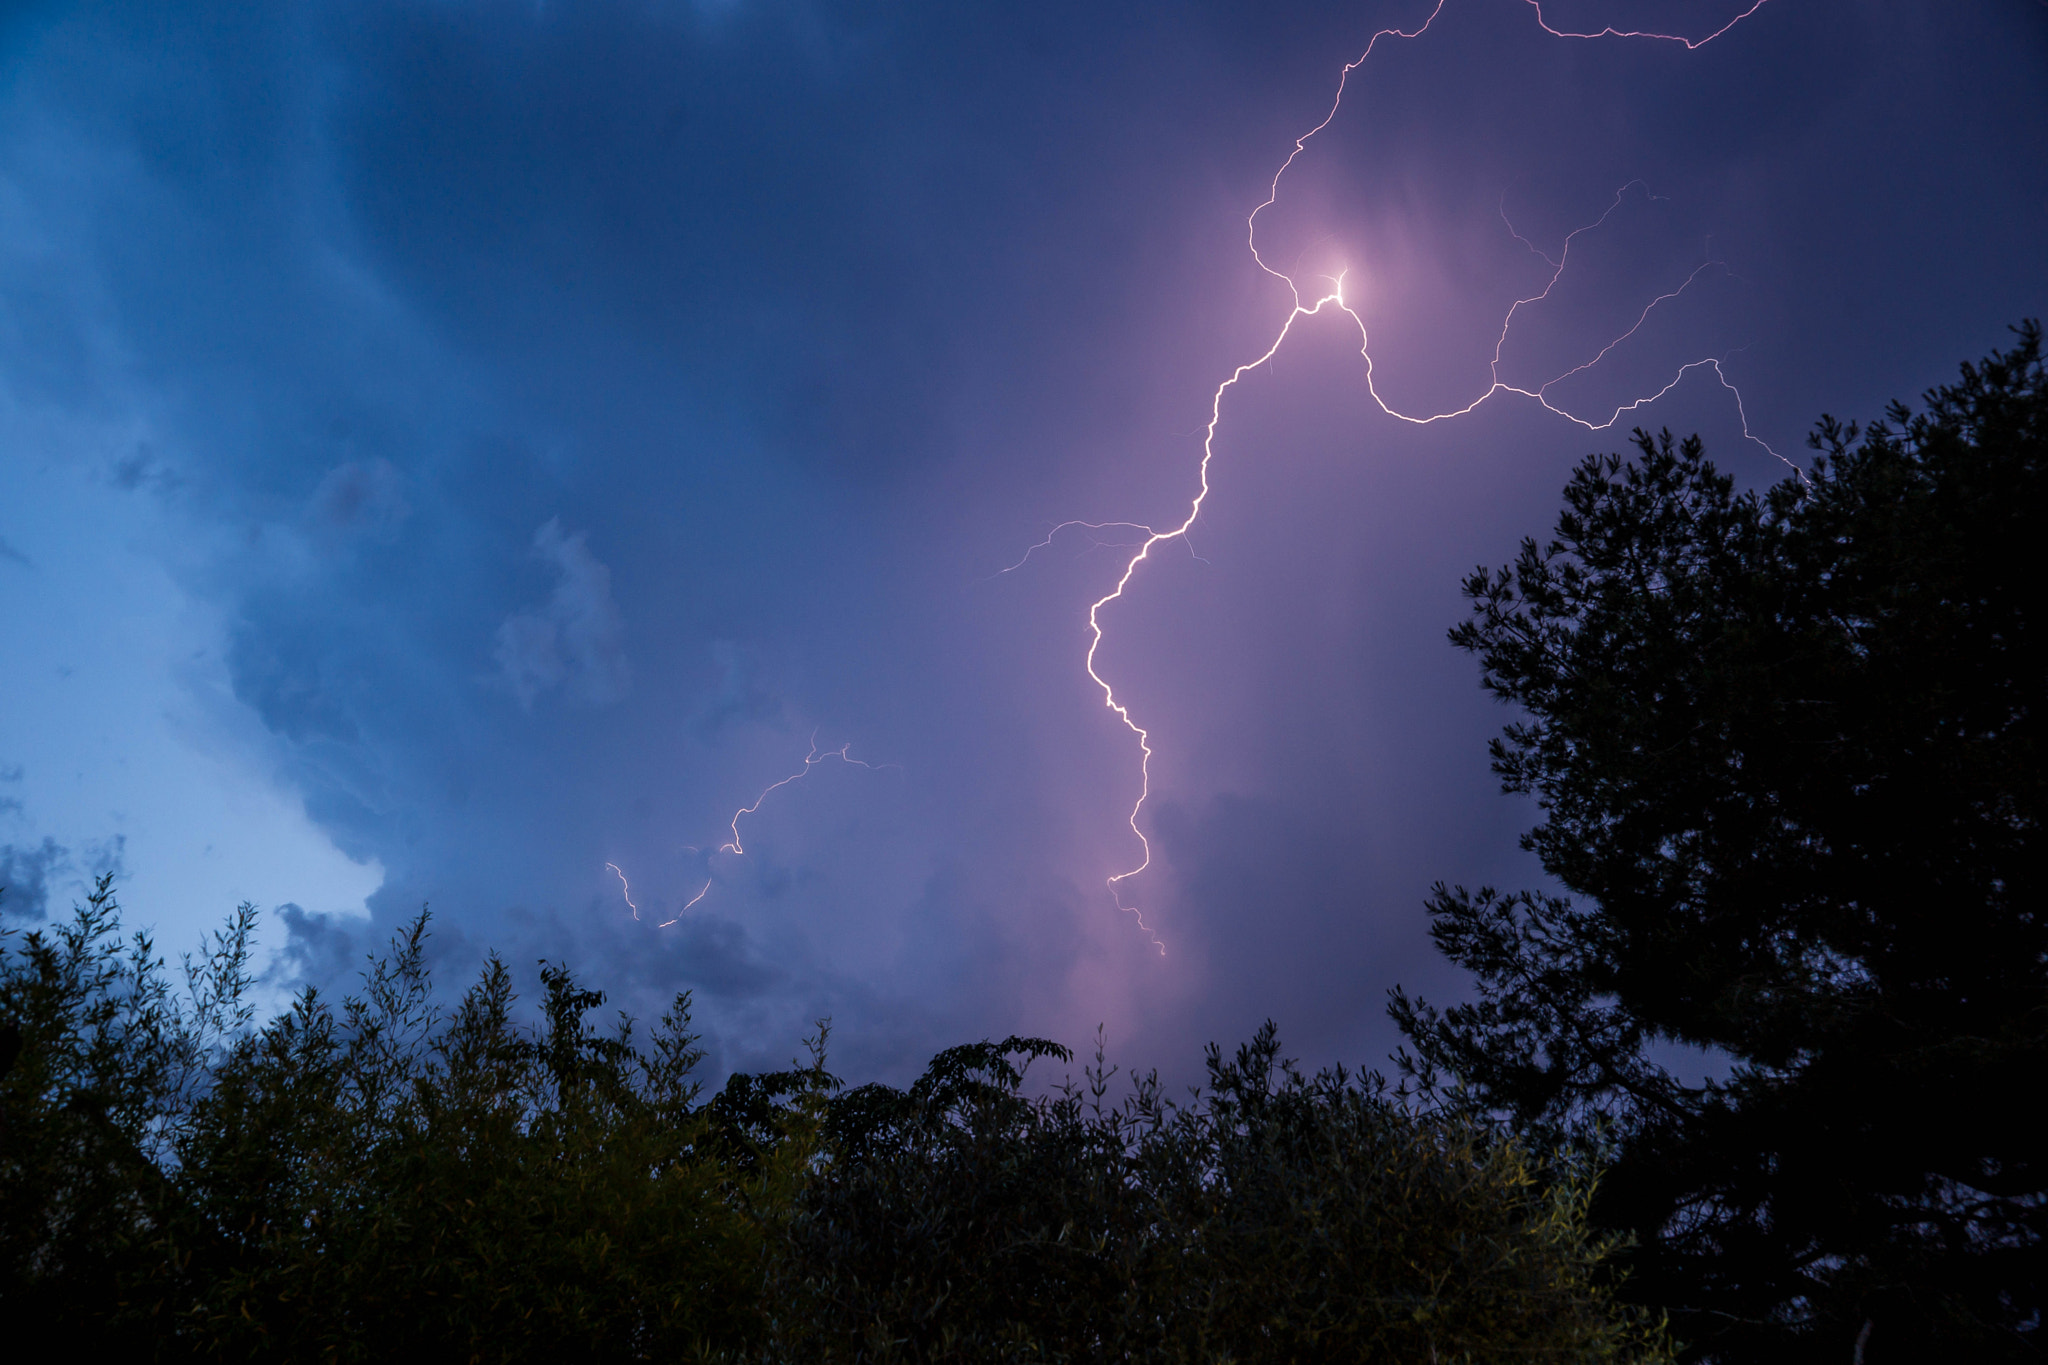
(733, 845)
(1335, 297)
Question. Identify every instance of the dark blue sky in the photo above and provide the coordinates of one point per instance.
(446, 448)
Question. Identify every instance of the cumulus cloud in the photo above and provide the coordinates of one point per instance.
(575, 640)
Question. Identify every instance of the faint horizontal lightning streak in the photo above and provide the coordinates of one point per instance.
(1301, 309)
(1611, 32)
(1088, 525)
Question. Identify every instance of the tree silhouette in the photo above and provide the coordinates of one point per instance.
(1788, 753)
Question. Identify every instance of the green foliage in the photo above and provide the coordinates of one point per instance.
(385, 1181)
(105, 1061)
(1273, 1217)
(1788, 753)
(391, 1182)
(392, 1179)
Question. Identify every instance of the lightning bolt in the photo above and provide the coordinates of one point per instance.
(1334, 297)
(625, 889)
(1690, 44)
(811, 760)
(1053, 535)
(733, 845)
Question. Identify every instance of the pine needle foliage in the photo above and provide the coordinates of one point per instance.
(1788, 750)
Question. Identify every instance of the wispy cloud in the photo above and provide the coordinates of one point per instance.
(575, 640)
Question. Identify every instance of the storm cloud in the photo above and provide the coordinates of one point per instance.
(478, 443)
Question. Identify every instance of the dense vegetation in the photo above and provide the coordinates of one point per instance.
(1787, 749)
(1788, 752)
(396, 1179)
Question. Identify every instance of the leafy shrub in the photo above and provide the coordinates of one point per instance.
(385, 1180)
(396, 1179)
(1273, 1217)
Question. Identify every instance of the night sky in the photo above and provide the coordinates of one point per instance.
(447, 448)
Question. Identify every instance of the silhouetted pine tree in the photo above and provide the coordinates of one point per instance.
(1788, 753)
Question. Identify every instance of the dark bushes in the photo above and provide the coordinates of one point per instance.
(387, 1181)
(396, 1179)
(1272, 1217)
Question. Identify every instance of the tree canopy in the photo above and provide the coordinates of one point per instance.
(399, 1177)
(1787, 750)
